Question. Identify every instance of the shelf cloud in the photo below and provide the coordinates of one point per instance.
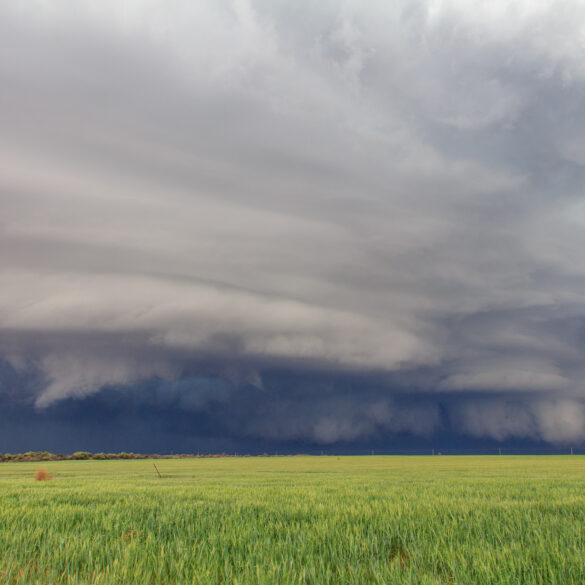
(306, 222)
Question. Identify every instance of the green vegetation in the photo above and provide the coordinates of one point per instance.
(46, 456)
(305, 520)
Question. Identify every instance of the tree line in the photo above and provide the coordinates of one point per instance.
(86, 455)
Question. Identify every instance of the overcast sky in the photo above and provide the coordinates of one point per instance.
(322, 222)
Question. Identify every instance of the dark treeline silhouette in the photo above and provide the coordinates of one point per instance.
(86, 455)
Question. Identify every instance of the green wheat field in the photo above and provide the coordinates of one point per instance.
(283, 520)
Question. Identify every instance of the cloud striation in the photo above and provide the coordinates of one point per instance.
(306, 222)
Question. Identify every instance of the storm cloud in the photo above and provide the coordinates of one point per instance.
(307, 222)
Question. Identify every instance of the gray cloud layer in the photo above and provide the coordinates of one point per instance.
(389, 189)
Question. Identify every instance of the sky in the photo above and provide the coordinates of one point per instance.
(265, 224)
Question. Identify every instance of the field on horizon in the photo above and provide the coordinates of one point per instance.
(303, 520)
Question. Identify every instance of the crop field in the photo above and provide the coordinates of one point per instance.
(315, 520)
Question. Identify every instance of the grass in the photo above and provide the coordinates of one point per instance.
(303, 520)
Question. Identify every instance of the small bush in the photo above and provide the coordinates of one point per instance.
(42, 475)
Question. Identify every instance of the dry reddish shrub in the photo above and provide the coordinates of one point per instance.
(129, 535)
(42, 475)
